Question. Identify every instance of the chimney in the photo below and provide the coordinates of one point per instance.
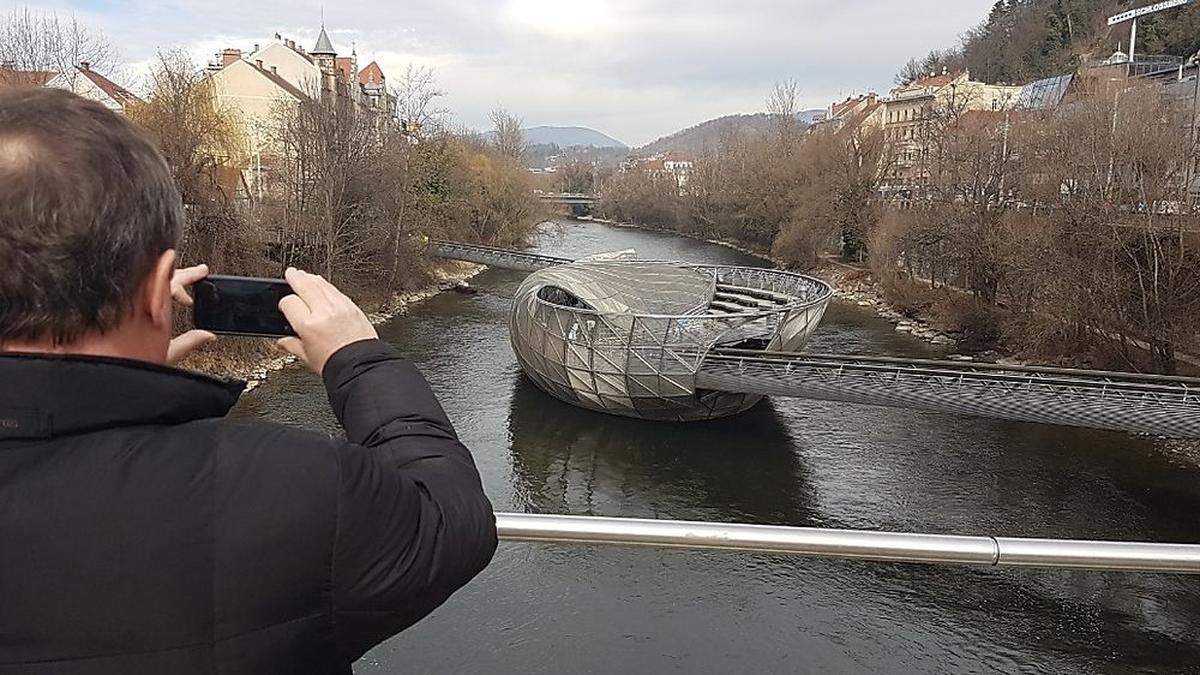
(84, 65)
(291, 44)
(228, 56)
(278, 37)
(259, 64)
(274, 70)
(256, 46)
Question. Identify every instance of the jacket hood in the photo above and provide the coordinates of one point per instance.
(43, 396)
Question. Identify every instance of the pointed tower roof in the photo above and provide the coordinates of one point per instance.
(324, 46)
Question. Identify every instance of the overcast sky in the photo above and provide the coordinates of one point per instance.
(634, 69)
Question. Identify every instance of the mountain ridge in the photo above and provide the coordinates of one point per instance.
(706, 135)
(570, 137)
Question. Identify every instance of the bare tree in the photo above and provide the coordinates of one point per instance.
(203, 146)
(47, 41)
(507, 135)
(324, 183)
(417, 96)
(932, 63)
(784, 106)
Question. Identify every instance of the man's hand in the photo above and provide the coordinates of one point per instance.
(325, 319)
(192, 340)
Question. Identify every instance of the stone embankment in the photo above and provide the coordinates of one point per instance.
(852, 284)
(448, 277)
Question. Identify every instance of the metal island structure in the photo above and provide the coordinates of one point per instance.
(675, 341)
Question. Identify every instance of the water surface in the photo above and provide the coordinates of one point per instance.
(550, 609)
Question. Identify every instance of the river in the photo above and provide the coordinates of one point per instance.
(552, 609)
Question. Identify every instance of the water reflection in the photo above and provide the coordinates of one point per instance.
(572, 461)
(542, 608)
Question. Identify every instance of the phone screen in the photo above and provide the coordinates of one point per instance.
(241, 306)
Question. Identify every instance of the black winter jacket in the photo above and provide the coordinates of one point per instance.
(141, 532)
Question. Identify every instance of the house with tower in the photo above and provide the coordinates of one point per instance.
(253, 84)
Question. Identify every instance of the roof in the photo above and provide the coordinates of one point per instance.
(1044, 94)
(24, 78)
(280, 82)
(372, 74)
(937, 81)
(324, 46)
(275, 78)
(933, 82)
(115, 91)
(631, 286)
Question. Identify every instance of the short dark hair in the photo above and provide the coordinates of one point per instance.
(87, 205)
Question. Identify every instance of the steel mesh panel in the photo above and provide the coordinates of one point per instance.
(1114, 401)
(636, 339)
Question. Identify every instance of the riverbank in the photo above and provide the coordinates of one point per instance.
(253, 360)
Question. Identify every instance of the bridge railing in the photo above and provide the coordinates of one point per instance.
(1155, 405)
(494, 257)
(985, 551)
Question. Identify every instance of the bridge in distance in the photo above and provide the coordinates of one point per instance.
(568, 198)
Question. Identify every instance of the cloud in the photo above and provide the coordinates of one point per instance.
(635, 69)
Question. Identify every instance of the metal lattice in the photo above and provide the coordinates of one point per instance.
(671, 341)
(615, 348)
(1167, 406)
(494, 257)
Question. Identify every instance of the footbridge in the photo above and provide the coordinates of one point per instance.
(1147, 404)
(494, 257)
(569, 198)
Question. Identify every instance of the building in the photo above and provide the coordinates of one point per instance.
(1045, 94)
(674, 166)
(87, 83)
(11, 77)
(680, 169)
(80, 79)
(253, 85)
(320, 72)
(865, 111)
(287, 60)
(373, 84)
(915, 112)
(253, 95)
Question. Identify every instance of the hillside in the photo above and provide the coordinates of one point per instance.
(570, 137)
(1023, 40)
(708, 135)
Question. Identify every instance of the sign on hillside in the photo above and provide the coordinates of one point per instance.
(1149, 9)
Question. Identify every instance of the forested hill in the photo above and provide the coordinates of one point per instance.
(708, 135)
(1023, 40)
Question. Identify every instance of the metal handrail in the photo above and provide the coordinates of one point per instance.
(1116, 376)
(984, 550)
(1185, 387)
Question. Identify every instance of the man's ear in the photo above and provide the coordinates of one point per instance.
(157, 298)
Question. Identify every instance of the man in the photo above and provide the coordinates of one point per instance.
(140, 531)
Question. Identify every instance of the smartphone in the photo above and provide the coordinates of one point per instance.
(240, 306)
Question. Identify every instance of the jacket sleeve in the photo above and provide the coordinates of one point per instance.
(413, 522)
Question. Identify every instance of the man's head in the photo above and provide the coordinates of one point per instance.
(89, 218)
